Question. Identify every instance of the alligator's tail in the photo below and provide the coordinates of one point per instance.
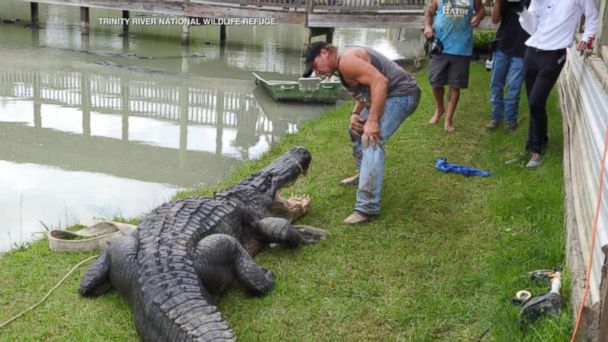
(174, 306)
(169, 302)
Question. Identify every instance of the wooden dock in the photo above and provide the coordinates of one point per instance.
(312, 13)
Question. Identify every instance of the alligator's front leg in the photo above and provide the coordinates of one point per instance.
(280, 230)
(220, 258)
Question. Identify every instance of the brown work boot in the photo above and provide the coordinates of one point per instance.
(353, 180)
(510, 126)
(358, 217)
(491, 125)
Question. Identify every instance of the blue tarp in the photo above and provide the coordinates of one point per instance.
(443, 166)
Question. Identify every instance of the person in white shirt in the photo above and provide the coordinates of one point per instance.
(551, 25)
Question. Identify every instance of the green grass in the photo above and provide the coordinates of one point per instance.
(440, 264)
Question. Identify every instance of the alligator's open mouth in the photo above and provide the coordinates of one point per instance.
(283, 172)
(290, 208)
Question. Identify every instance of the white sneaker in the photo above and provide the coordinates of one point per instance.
(535, 161)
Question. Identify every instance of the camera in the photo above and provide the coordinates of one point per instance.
(433, 46)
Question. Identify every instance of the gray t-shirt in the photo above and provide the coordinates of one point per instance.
(400, 82)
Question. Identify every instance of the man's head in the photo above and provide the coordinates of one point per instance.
(312, 54)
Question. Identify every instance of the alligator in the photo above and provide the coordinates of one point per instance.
(172, 269)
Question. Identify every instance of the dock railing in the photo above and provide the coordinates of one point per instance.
(332, 5)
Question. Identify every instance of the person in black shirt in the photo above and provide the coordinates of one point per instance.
(507, 65)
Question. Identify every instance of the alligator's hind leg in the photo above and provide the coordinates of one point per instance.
(220, 258)
(96, 280)
(280, 230)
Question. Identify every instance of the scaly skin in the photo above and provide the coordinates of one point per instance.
(185, 253)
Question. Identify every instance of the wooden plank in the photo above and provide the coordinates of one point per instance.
(171, 7)
(210, 11)
(574, 254)
(365, 20)
(34, 13)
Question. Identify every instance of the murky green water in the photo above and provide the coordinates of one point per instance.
(114, 124)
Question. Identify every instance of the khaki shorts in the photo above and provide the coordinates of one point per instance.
(451, 70)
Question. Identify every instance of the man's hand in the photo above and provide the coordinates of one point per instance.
(475, 20)
(356, 123)
(371, 134)
(586, 46)
(480, 12)
(429, 16)
(428, 32)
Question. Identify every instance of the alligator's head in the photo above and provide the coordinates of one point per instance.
(261, 191)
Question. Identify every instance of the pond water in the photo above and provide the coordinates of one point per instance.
(111, 125)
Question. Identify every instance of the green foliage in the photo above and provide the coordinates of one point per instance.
(482, 40)
(440, 264)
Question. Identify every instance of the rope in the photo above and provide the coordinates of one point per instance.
(581, 305)
(48, 293)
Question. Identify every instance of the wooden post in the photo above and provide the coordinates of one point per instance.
(125, 43)
(34, 12)
(35, 38)
(186, 28)
(125, 22)
(185, 53)
(329, 35)
(125, 106)
(184, 105)
(222, 33)
(37, 101)
(84, 20)
(84, 42)
(219, 123)
(185, 35)
(85, 103)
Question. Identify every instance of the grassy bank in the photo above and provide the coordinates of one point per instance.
(440, 264)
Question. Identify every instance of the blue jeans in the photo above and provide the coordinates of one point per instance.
(370, 160)
(510, 70)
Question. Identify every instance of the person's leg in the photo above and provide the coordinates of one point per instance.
(500, 68)
(458, 78)
(530, 74)
(438, 94)
(515, 78)
(550, 68)
(396, 110)
(438, 69)
(453, 102)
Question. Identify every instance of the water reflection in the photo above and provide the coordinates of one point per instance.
(92, 137)
(30, 200)
(195, 120)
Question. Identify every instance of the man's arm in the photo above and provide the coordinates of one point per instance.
(591, 19)
(496, 17)
(353, 67)
(429, 14)
(480, 12)
(356, 123)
